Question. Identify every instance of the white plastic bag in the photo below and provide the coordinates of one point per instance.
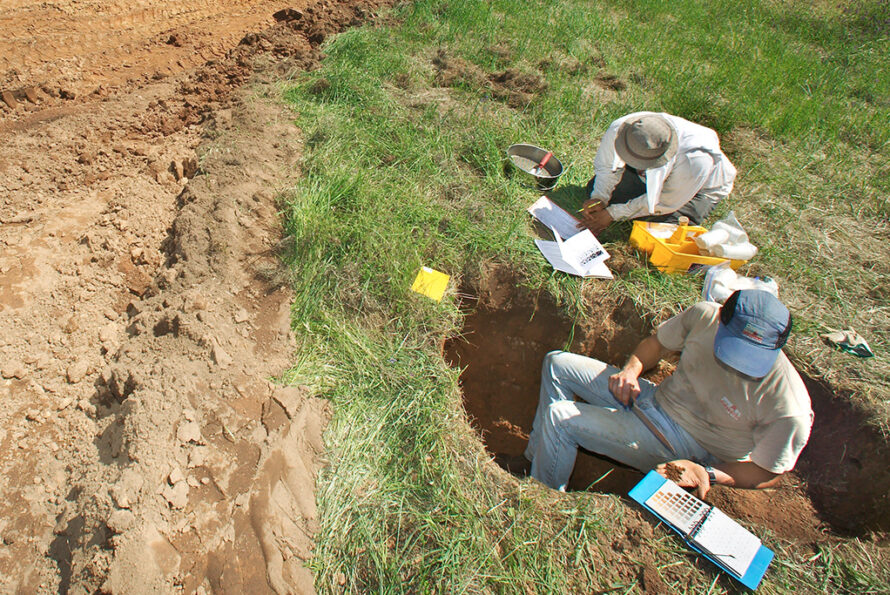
(726, 239)
(721, 281)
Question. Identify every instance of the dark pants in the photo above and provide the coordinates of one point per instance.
(631, 186)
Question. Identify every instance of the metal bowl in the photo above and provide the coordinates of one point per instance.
(526, 158)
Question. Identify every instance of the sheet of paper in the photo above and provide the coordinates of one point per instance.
(600, 270)
(431, 283)
(575, 251)
(580, 255)
(582, 250)
(724, 539)
(553, 254)
(555, 217)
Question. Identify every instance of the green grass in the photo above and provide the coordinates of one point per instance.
(404, 168)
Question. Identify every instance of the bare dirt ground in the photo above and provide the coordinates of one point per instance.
(143, 444)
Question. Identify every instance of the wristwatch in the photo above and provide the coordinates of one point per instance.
(712, 477)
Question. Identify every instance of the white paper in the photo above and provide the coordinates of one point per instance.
(554, 217)
(724, 539)
(582, 250)
(580, 255)
(707, 527)
(574, 252)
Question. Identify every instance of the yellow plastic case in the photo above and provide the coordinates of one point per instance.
(668, 257)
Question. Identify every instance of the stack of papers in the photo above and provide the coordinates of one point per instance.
(574, 252)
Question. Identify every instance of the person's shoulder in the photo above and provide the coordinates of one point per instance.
(695, 318)
(791, 386)
(695, 133)
(703, 311)
(791, 375)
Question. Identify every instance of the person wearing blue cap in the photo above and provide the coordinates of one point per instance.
(734, 412)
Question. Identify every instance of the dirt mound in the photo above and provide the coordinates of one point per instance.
(80, 51)
(840, 485)
(218, 450)
(142, 444)
(515, 87)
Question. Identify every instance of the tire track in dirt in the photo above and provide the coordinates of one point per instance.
(142, 444)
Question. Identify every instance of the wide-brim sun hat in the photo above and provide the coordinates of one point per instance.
(754, 326)
(647, 141)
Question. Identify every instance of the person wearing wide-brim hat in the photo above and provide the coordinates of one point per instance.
(657, 167)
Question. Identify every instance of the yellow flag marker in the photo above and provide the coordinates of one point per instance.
(430, 283)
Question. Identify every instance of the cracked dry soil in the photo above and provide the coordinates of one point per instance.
(143, 446)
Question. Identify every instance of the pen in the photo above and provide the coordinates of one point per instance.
(593, 204)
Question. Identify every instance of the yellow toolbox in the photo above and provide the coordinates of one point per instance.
(671, 247)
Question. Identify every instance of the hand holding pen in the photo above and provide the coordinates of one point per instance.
(592, 205)
(594, 215)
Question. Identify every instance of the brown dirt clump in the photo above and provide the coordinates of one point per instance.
(515, 87)
(610, 81)
(452, 71)
(651, 582)
(142, 444)
(673, 472)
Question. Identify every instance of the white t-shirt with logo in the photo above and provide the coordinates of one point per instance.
(733, 417)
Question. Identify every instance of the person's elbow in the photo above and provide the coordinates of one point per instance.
(658, 349)
(757, 478)
(769, 480)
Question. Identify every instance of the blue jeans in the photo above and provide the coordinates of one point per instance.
(601, 424)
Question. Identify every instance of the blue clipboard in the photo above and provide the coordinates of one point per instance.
(651, 483)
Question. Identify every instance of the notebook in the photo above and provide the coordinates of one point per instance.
(575, 251)
(706, 528)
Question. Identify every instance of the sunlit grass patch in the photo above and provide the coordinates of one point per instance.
(405, 129)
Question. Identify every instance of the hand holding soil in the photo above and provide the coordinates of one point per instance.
(686, 474)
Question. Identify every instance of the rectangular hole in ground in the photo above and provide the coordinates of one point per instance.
(500, 351)
(502, 346)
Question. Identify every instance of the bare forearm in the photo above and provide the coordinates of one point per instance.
(740, 475)
(647, 354)
(745, 475)
(625, 384)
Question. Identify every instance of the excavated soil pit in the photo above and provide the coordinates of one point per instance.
(839, 488)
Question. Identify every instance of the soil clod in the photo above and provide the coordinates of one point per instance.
(673, 472)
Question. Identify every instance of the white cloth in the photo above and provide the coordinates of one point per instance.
(699, 167)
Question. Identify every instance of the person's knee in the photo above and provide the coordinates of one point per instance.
(549, 360)
(559, 358)
(560, 412)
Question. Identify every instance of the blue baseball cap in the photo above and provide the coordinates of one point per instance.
(754, 326)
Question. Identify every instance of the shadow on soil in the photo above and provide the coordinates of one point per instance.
(840, 485)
